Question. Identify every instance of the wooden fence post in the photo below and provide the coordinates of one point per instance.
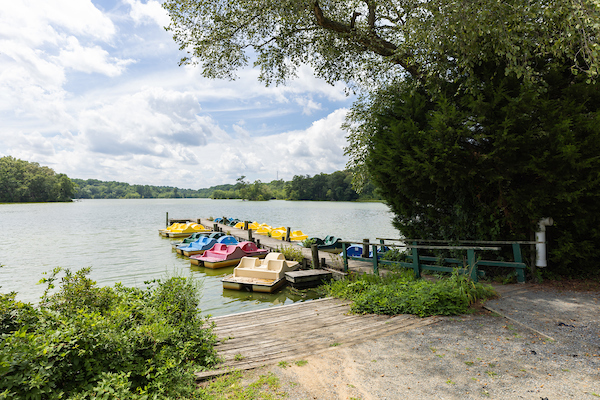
(315, 256)
(375, 261)
(288, 231)
(365, 249)
(472, 264)
(516, 247)
(416, 262)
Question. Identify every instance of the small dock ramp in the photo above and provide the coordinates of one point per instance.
(252, 339)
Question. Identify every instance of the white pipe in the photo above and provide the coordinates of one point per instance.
(540, 239)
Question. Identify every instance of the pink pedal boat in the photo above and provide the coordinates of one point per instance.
(223, 255)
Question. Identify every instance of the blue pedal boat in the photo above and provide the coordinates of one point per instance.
(205, 243)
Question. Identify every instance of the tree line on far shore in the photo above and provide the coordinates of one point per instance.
(22, 181)
(325, 187)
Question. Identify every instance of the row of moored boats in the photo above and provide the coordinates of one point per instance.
(256, 269)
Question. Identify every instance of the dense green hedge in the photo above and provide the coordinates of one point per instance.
(488, 165)
(87, 342)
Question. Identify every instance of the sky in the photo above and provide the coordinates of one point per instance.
(92, 89)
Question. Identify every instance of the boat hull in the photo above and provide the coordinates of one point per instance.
(253, 285)
(183, 234)
(220, 264)
(188, 253)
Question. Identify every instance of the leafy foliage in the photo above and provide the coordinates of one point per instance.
(291, 253)
(88, 342)
(457, 165)
(22, 181)
(336, 186)
(403, 294)
(369, 43)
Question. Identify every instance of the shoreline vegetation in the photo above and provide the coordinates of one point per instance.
(84, 341)
(28, 182)
(336, 186)
(24, 182)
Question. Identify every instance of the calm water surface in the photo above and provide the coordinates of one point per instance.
(119, 240)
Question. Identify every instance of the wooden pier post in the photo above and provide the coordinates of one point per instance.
(315, 256)
(250, 235)
(287, 234)
(365, 249)
(215, 227)
(375, 261)
(167, 220)
(258, 243)
(245, 225)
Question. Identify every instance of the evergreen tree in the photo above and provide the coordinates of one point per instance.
(457, 164)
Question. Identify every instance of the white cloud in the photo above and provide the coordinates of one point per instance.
(308, 105)
(89, 59)
(72, 98)
(150, 11)
(153, 121)
(320, 148)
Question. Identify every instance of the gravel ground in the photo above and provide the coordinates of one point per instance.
(467, 357)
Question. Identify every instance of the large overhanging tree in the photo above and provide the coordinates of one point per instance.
(452, 91)
(368, 42)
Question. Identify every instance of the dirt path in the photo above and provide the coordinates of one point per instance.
(468, 357)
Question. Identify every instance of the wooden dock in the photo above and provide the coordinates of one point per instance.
(332, 261)
(252, 339)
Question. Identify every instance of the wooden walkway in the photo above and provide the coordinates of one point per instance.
(252, 339)
(333, 261)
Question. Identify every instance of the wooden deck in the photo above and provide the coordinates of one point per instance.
(252, 339)
(333, 261)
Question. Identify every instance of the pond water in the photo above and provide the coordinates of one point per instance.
(119, 239)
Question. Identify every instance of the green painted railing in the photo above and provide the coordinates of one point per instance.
(420, 262)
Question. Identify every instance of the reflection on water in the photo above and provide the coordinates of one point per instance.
(119, 240)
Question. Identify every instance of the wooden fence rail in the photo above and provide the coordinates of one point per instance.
(420, 262)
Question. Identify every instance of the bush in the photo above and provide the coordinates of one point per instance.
(291, 253)
(308, 242)
(88, 342)
(403, 294)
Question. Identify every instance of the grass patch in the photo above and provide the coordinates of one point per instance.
(301, 363)
(402, 293)
(230, 387)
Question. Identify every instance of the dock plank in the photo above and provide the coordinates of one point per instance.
(298, 330)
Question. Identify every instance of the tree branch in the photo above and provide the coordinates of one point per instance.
(371, 41)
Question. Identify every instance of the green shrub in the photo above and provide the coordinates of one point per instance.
(403, 294)
(291, 253)
(89, 342)
(308, 242)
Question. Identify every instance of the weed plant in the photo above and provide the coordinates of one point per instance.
(87, 342)
(291, 253)
(308, 242)
(401, 293)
